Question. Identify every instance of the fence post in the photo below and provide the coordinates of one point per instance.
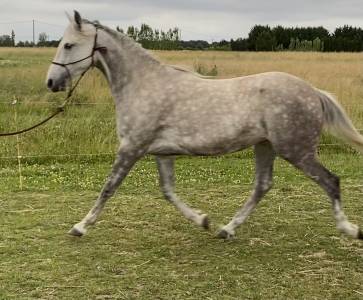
(18, 145)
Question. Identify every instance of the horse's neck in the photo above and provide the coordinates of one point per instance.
(123, 61)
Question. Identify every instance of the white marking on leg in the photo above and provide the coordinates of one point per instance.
(343, 224)
(81, 227)
(187, 212)
(241, 216)
(78, 229)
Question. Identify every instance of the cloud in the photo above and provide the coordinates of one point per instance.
(198, 19)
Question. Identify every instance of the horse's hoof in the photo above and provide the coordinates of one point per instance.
(360, 235)
(224, 234)
(205, 222)
(76, 232)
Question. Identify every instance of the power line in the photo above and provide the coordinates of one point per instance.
(184, 29)
(34, 23)
(32, 28)
(30, 21)
(15, 22)
(50, 24)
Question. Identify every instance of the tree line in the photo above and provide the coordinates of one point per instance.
(264, 38)
(154, 38)
(43, 41)
(260, 38)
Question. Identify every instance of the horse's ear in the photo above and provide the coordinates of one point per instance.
(78, 20)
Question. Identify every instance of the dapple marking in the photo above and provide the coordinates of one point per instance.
(166, 111)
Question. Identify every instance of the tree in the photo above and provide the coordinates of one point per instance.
(223, 45)
(253, 35)
(155, 39)
(265, 41)
(146, 33)
(6, 41)
(292, 45)
(239, 44)
(348, 38)
(132, 32)
(13, 38)
(194, 45)
(318, 45)
(260, 38)
(282, 37)
(42, 40)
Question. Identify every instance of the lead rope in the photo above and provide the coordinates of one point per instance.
(60, 109)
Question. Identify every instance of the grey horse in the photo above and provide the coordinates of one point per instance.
(166, 111)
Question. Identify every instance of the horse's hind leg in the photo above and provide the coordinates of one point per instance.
(330, 183)
(166, 172)
(265, 157)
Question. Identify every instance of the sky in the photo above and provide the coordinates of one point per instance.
(210, 20)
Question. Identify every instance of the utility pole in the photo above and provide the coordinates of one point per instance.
(33, 33)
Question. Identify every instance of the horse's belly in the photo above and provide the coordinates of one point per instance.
(202, 145)
(163, 147)
(223, 146)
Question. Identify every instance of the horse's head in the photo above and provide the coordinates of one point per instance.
(74, 54)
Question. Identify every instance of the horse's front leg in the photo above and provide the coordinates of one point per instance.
(166, 172)
(126, 158)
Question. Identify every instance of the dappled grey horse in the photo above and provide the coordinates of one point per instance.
(166, 111)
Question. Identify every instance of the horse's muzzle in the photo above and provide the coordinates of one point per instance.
(56, 86)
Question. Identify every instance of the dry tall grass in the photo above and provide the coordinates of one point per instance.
(22, 74)
(338, 73)
(142, 248)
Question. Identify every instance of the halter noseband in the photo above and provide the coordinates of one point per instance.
(64, 65)
(66, 100)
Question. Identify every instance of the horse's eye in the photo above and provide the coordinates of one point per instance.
(68, 46)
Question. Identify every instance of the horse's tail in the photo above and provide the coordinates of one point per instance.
(338, 123)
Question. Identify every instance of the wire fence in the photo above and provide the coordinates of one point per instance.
(21, 155)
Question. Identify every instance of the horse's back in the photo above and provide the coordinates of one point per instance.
(225, 115)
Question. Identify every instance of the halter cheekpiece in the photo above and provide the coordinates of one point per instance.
(66, 100)
(64, 65)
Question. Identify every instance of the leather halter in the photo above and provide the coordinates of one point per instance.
(60, 109)
(64, 65)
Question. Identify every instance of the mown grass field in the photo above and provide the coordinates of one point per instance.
(142, 248)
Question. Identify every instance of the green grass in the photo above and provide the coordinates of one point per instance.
(143, 249)
(88, 125)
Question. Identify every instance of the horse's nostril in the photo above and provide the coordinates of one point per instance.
(50, 83)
